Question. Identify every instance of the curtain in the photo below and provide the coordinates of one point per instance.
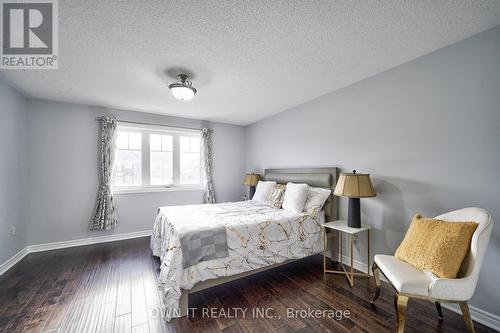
(105, 216)
(207, 157)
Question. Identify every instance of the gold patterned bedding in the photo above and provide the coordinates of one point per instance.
(257, 236)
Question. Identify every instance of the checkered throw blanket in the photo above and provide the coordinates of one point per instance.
(203, 245)
(199, 229)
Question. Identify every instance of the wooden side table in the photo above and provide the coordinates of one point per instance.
(342, 228)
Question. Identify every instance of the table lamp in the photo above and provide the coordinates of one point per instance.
(354, 186)
(251, 179)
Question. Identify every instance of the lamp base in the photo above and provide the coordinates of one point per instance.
(252, 191)
(354, 213)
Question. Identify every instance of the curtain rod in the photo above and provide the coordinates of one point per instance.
(152, 124)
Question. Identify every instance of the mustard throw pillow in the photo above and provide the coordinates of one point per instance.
(437, 246)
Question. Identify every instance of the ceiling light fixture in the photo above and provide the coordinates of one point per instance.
(182, 89)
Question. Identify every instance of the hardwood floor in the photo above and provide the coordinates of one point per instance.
(111, 287)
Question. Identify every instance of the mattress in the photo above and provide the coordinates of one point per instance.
(257, 236)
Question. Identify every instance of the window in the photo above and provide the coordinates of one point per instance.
(154, 157)
(127, 167)
(190, 159)
(161, 159)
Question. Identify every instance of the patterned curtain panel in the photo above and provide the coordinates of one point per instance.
(105, 215)
(206, 151)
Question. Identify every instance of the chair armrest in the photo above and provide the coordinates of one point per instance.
(453, 289)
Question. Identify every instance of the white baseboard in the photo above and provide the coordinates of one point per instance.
(486, 318)
(360, 266)
(13, 260)
(71, 243)
(87, 241)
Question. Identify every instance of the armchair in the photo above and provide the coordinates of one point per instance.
(411, 282)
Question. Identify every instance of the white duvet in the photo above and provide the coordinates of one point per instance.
(257, 236)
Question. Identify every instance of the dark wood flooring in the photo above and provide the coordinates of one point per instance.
(112, 288)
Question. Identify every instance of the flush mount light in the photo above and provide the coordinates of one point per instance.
(182, 89)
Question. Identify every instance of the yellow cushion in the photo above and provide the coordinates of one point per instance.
(437, 246)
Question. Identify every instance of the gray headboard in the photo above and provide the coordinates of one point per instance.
(316, 177)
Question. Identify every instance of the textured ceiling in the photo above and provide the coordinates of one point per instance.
(250, 59)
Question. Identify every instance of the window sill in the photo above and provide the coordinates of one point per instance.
(157, 189)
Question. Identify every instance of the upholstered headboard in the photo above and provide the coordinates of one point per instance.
(316, 177)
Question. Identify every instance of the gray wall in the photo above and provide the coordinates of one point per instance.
(63, 162)
(428, 132)
(13, 172)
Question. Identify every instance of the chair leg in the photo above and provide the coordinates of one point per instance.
(400, 303)
(439, 310)
(376, 276)
(468, 320)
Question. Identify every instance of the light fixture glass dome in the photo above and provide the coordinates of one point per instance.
(182, 89)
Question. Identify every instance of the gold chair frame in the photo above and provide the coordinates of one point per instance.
(401, 304)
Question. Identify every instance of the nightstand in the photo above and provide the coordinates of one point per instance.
(342, 228)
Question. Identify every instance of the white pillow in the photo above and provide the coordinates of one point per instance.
(316, 198)
(263, 191)
(295, 197)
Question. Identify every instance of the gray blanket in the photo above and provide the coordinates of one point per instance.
(202, 245)
(200, 230)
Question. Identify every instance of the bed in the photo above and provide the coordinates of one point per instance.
(258, 238)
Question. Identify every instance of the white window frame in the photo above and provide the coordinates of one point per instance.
(176, 133)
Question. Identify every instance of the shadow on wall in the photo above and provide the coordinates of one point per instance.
(397, 201)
